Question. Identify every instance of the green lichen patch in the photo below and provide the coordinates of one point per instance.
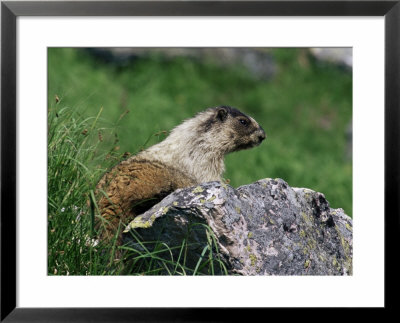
(250, 235)
(212, 198)
(198, 189)
(306, 218)
(253, 259)
(307, 193)
(311, 244)
(336, 264)
(344, 243)
(138, 222)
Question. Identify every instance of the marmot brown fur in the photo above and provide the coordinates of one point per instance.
(192, 154)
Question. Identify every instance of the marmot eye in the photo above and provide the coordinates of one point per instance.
(243, 122)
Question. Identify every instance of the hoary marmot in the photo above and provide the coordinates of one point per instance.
(192, 154)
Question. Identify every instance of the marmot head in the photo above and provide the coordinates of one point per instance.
(198, 145)
(232, 129)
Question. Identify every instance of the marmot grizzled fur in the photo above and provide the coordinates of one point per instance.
(192, 154)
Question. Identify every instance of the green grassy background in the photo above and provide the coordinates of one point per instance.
(304, 109)
(104, 110)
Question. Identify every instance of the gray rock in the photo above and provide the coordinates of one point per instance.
(265, 228)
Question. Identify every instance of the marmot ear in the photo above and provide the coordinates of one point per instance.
(222, 113)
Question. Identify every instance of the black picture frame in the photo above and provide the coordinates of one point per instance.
(11, 10)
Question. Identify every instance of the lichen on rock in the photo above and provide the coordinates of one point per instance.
(265, 228)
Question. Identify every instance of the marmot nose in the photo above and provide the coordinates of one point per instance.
(262, 135)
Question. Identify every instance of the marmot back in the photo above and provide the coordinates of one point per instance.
(192, 154)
